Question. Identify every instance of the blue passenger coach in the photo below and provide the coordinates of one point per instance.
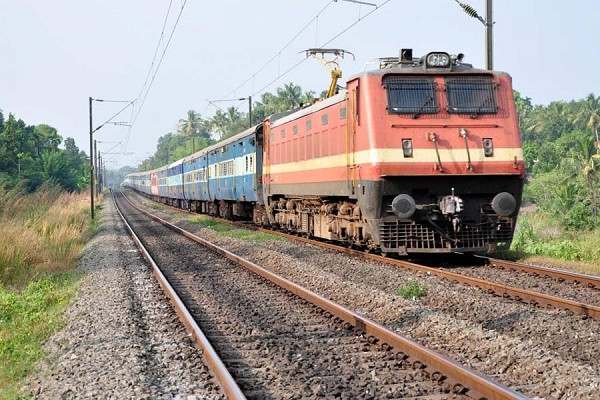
(223, 179)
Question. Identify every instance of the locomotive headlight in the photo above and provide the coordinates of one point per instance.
(488, 147)
(407, 147)
(437, 60)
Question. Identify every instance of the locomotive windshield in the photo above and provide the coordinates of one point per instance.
(471, 95)
(411, 95)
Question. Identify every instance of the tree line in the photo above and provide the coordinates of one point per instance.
(31, 155)
(195, 132)
(561, 149)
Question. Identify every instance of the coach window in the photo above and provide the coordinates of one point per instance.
(283, 133)
(308, 124)
(295, 130)
(343, 113)
(324, 119)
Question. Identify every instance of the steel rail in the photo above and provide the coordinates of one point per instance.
(562, 275)
(475, 384)
(226, 381)
(524, 295)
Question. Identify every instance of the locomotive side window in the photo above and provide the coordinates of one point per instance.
(411, 95)
(471, 95)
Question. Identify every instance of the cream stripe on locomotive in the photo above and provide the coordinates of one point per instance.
(238, 166)
(378, 156)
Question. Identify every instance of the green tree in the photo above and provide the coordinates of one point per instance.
(194, 125)
(219, 123)
(290, 95)
(590, 114)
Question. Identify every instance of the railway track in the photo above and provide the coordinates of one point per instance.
(516, 293)
(266, 337)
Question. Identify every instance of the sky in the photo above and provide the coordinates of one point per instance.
(54, 55)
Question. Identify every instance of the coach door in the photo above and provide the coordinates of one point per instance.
(205, 178)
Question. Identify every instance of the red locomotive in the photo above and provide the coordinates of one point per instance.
(421, 155)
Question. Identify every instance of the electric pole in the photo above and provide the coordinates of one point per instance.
(95, 170)
(489, 36)
(249, 111)
(91, 163)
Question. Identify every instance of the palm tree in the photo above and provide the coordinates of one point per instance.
(219, 123)
(587, 165)
(190, 126)
(590, 114)
(233, 115)
(290, 95)
(308, 97)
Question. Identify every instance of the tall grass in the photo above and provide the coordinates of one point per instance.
(539, 237)
(41, 235)
(40, 232)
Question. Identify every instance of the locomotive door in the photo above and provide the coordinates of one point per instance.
(351, 122)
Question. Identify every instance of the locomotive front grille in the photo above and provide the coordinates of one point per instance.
(416, 236)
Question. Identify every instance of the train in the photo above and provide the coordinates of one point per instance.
(420, 155)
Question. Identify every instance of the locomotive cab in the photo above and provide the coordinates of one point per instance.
(443, 168)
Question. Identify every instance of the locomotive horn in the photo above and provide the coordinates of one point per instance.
(404, 206)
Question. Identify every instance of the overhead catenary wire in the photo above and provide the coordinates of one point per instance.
(155, 73)
(160, 39)
(287, 71)
(278, 53)
(323, 45)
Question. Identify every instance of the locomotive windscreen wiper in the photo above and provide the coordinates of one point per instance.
(420, 110)
(480, 108)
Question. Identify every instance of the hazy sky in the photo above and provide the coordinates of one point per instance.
(55, 54)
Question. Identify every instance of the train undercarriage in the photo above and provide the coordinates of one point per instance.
(341, 220)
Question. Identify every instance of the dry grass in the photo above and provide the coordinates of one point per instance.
(40, 233)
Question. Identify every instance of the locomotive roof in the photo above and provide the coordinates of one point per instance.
(295, 114)
(419, 69)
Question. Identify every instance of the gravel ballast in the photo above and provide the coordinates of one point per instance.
(545, 353)
(274, 343)
(122, 338)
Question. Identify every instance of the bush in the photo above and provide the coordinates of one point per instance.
(412, 290)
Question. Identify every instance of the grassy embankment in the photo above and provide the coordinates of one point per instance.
(540, 239)
(41, 235)
(223, 228)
